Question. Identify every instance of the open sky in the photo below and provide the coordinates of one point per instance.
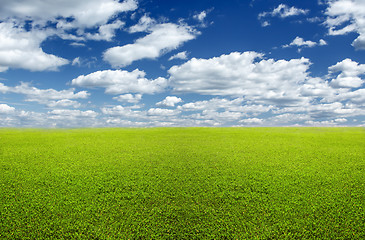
(142, 63)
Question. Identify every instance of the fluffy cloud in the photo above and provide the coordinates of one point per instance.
(120, 81)
(163, 38)
(63, 103)
(252, 121)
(169, 101)
(6, 109)
(54, 118)
(239, 74)
(300, 42)
(200, 16)
(145, 23)
(106, 32)
(219, 104)
(284, 11)
(180, 55)
(21, 49)
(24, 25)
(162, 112)
(84, 13)
(344, 16)
(350, 72)
(72, 113)
(120, 111)
(130, 98)
(50, 97)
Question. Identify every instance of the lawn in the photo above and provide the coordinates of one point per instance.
(182, 183)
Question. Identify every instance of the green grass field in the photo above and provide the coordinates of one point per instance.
(183, 183)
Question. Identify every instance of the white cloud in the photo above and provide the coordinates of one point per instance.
(6, 109)
(21, 49)
(300, 42)
(25, 25)
(350, 72)
(265, 24)
(51, 119)
(316, 87)
(76, 62)
(322, 42)
(357, 96)
(163, 38)
(63, 103)
(3, 88)
(251, 121)
(200, 16)
(219, 118)
(120, 81)
(84, 13)
(340, 120)
(73, 113)
(284, 11)
(218, 104)
(344, 16)
(129, 98)
(106, 32)
(180, 55)
(327, 123)
(144, 24)
(120, 111)
(239, 74)
(220, 111)
(76, 44)
(284, 119)
(169, 101)
(46, 96)
(162, 112)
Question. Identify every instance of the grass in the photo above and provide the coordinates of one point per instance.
(183, 183)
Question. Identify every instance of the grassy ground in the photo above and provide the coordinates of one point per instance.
(183, 183)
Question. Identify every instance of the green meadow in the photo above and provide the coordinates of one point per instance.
(182, 183)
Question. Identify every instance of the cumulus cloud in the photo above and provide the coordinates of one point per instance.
(21, 49)
(50, 97)
(144, 24)
(284, 11)
(6, 109)
(239, 74)
(169, 101)
(120, 81)
(25, 25)
(219, 104)
(120, 111)
(162, 112)
(56, 118)
(344, 16)
(72, 113)
(130, 98)
(106, 32)
(220, 111)
(200, 16)
(76, 62)
(83, 13)
(268, 86)
(300, 42)
(162, 38)
(180, 55)
(63, 103)
(350, 72)
(252, 121)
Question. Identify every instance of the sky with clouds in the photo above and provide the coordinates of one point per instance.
(146, 63)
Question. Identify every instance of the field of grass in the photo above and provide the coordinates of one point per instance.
(183, 183)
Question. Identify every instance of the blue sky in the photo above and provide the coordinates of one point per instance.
(146, 63)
